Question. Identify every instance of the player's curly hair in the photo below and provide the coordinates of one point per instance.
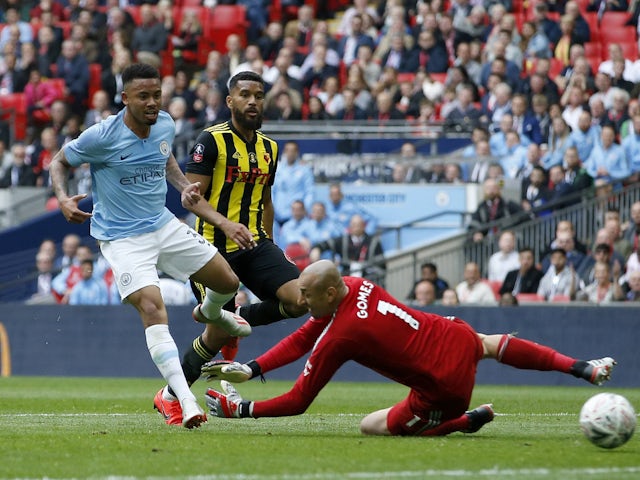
(139, 70)
(245, 75)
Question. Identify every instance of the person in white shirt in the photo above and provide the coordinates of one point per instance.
(473, 290)
(505, 259)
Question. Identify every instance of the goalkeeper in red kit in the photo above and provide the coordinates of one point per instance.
(435, 356)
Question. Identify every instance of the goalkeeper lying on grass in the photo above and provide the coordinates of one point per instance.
(354, 319)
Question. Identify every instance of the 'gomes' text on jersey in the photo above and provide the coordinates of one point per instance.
(128, 175)
(239, 171)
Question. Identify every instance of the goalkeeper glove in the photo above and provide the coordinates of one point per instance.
(228, 404)
(231, 371)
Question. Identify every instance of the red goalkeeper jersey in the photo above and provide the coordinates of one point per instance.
(418, 349)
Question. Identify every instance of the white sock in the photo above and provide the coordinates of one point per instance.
(164, 354)
(213, 302)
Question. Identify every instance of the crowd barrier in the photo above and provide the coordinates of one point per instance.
(109, 341)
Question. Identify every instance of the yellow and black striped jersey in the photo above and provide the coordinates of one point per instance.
(239, 171)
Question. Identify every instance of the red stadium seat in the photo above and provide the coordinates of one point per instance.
(594, 26)
(95, 79)
(298, 255)
(612, 20)
(592, 49)
(561, 299)
(618, 35)
(14, 106)
(222, 21)
(495, 286)
(529, 298)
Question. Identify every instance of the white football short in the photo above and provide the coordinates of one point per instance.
(176, 249)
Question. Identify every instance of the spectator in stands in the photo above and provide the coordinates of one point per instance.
(533, 158)
(282, 85)
(603, 289)
(586, 136)
(619, 243)
(491, 209)
(350, 111)
(608, 160)
(185, 43)
(6, 157)
(302, 27)
(550, 27)
(559, 190)
(233, 57)
(271, 41)
(70, 244)
(295, 181)
(149, 38)
(499, 106)
(429, 272)
(535, 192)
(633, 287)
(559, 141)
(70, 274)
(632, 231)
(11, 20)
(318, 70)
(283, 66)
(72, 66)
(293, 230)
(602, 252)
(283, 108)
(9, 75)
(524, 279)
(320, 227)
(40, 95)
(99, 109)
(534, 43)
(41, 289)
(385, 109)
(464, 60)
(330, 96)
(464, 116)
(473, 289)
(498, 139)
(397, 55)
(355, 252)
(515, 158)
(49, 146)
(48, 48)
(341, 210)
(449, 298)
(560, 279)
(252, 61)
(524, 122)
(428, 55)
(359, 7)
(424, 294)
(573, 257)
(505, 259)
(350, 43)
(19, 173)
(89, 290)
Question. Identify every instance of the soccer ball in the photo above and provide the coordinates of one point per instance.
(608, 420)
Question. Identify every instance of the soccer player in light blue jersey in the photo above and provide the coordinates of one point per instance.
(130, 158)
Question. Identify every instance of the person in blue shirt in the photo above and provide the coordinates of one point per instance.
(320, 227)
(89, 290)
(631, 146)
(608, 160)
(586, 136)
(340, 210)
(293, 231)
(131, 163)
(295, 181)
(515, 157)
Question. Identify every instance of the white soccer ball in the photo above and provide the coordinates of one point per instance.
(608, 420)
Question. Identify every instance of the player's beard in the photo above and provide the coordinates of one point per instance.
(247, 123)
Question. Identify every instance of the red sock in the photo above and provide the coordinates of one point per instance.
(529, 355)
(450, 426)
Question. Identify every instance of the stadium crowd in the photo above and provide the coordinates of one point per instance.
(547, 91)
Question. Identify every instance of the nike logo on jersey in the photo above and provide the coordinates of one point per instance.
(124, 157)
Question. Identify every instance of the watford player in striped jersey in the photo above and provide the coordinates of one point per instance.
(235, 165)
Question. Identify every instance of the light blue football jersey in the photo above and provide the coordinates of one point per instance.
(128, 175)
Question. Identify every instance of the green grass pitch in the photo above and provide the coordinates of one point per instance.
(64, 428)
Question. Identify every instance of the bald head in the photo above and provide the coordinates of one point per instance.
(321, 288)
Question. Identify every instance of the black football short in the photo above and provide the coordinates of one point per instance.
(263, 269)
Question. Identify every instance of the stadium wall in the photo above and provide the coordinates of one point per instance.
(109, 341)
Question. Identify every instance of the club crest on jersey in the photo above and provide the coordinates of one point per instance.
(252, 157)
(198, 153)
(267, 158)
(164, 148)
(236, 155)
